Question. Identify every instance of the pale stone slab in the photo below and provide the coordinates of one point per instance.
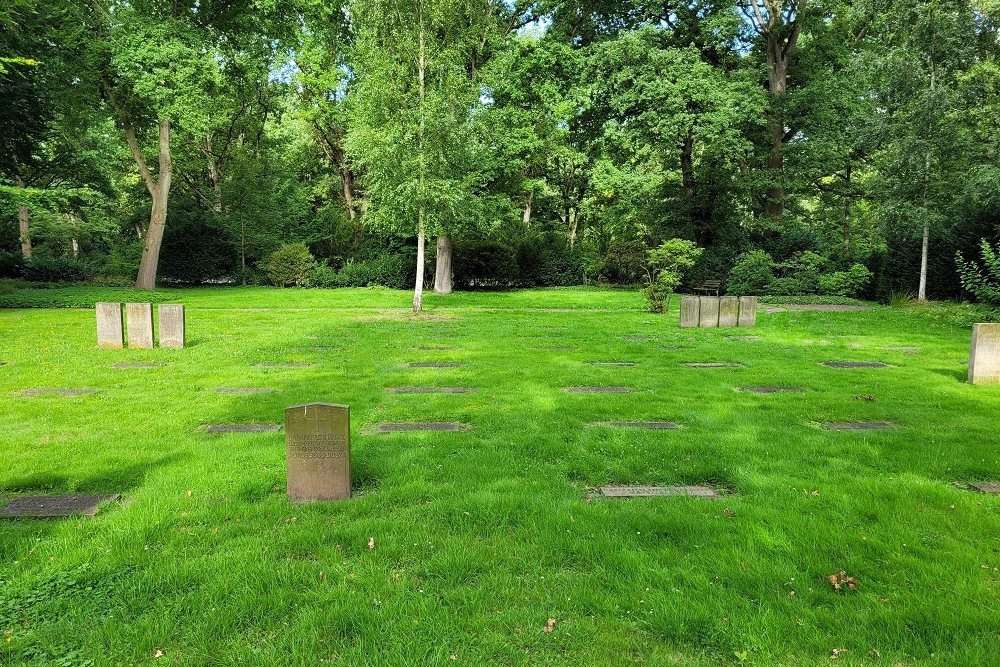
(41, 507)
(640, 424)
(858, 426)
(713, 364)
(318, 452)
(171, 325)
(652, 491)
(430, 390)
(244, 390)
(137, 364)
(708, 315)
(283, 364)
(109, 325)
(748, 311)
(689, 312)
(771, 390)
(984, 354)
(729, 311)
(139, 319)
(419, 426)
(986, 487)
(612, 363)
(434, 364)
(28, 393)
(598, 390)
(855, 364)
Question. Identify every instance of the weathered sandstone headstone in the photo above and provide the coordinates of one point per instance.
(139, 319)
(748, 311)
(171, 325)
(318, 452)
(984, 354)
(689, 312)
(708, 315)
(109, 325)
(729, 311)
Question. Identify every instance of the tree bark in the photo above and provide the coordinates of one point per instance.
(23, 222)
(848, 201)
(777, 81)
(442, 269)
(159, 190)
(418, 287)
(922, 289)
(526, 218)
(925, 243)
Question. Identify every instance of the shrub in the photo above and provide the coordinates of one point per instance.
(667, 264)
(484, 263)
(545, 260)
(393, 271)
(800, 274)
(846, 283)
(290, 265)
(752, 274)
(11, 264)
(982, 281)
(43, 267)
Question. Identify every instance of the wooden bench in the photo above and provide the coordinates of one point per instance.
(712, 287)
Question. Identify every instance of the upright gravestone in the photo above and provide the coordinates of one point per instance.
(748, 311)
(109, 326)
(729, 311)
(689, 312)
(171, 325)
(984, 355)
(318, 452)
(709, 311)
(139, 318)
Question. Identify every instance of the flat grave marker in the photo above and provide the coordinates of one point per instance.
(434, 364)
(763, 389)
(318, 452)
(638, 339)
(438, 348)
(110, 334)
(984, 354)
(172, 324)
(906, 349)
(745, 339)
(243, 390)
(855, 364)
(612, 363)
(598, 390)
(654, 425)
(29, 393)
(137, 364)
(402, 427)
(985, 487)
(242, 428)
(43, 507)
(858, 426)
(429, 390)
(283, 364)
(656, 491)
(139, 319)
(713, 364)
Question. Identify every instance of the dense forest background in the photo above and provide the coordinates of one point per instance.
(526, 143)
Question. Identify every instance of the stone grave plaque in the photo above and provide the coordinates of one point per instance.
(419, 426)
(759, 389)
(858, 426)
(597, 390)
(429, 390)
(137, 364)
(986, 487)
(55, 506)
(689, 312)
(612, 363)
(651, 491)
(438, 348)
(855, 364)
(171, 325)
(638, 338)
(729, 311)
(29, 393)
(109, 325)
(745, 339)
(708, 311)
(242, 428)
(434, 364)
(639, 424)
(905, 349)
(748, 311)
(283, 364)
(984, 354)
(712, 364)
(244, 390)
(318, 452)
(139, 319)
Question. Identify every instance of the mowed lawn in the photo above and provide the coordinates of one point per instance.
(480, 537)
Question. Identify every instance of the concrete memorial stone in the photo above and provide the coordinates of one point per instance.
(855, 364)
(598, 390)
(137, 364)
(771, 390)
(651, 491)
(109, 326)
(986, 487)
(318, 452)
(729, 311)
(612, 363)
(171, 325)
(689, 312)
(649, 425)
(139, 320)
(429, 390)
(858, 426)
(244, 390)
(41, 507)
(748, 311)
(283, 364)
(434, 364)
(984, 354)
(712, 364)
(708, 311)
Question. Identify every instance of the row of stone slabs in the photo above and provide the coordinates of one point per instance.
(88, 505)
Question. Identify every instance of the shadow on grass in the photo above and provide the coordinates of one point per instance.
(962, 375)
(116, 480)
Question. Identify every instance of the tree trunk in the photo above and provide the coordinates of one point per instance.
(848, 200)
(159, 189)
(572, 215)
(442, 269)
(23, 225)
(526, 218)
(922, 289)
(418, 287)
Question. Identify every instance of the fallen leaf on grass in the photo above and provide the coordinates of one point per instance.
(550, 626)
(864, 397)
(837, 652)
(371, 543)
(158, 654)
(840, 580)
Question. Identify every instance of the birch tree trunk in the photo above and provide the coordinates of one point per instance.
(159, 190)
(925, 243)
(418, 287)
(23, 222)
(442, 268)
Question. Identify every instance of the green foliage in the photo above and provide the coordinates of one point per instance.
(392, 271)
(48, 268)
(665, 270)
(290, 265)
(846, 283)
(982, 280)
(752, 274)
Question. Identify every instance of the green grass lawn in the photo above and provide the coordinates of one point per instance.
(482, 536)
